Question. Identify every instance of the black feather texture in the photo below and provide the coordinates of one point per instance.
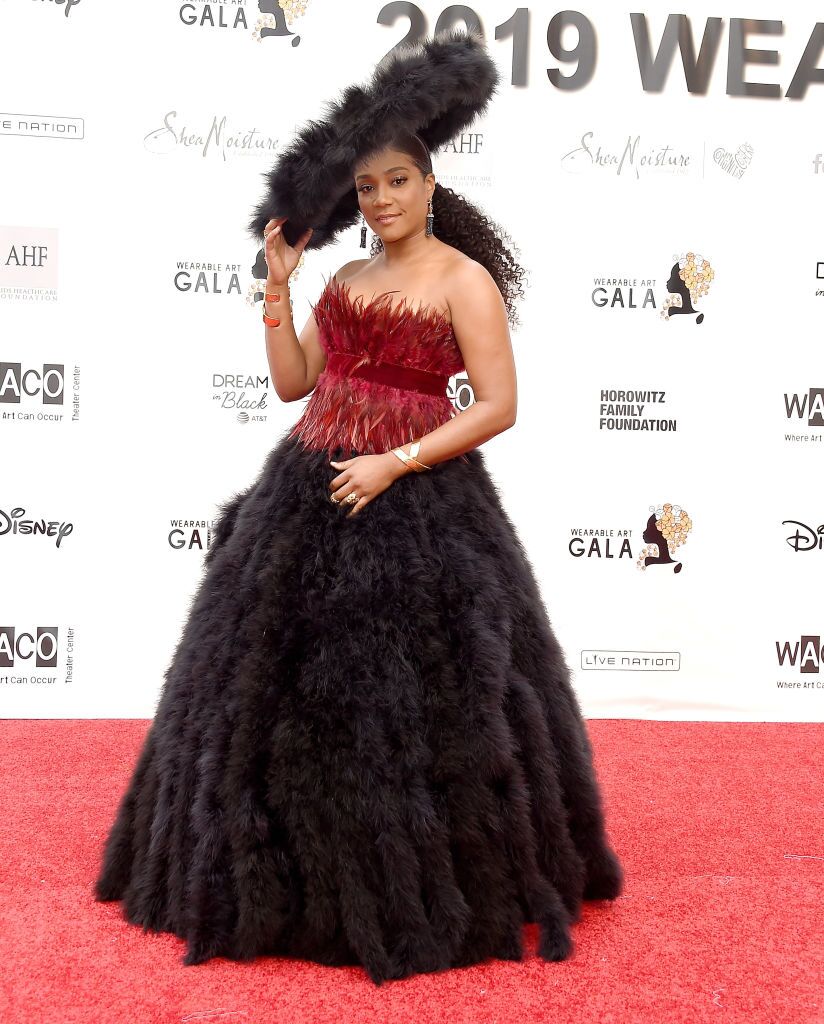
(435, 88)
(368, 750)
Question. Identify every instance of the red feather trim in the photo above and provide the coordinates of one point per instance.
(364, 415)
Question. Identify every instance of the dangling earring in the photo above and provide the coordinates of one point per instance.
(430, 216)
(363, 232)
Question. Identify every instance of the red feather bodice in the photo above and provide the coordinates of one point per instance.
(387, 368)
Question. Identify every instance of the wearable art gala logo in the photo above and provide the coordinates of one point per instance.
(190, 534)
(689, 281)
(274, 17)
(667, 529)
(690, 277)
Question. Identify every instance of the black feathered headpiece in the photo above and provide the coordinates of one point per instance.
(435, 88)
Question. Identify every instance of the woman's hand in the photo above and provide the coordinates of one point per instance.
(367, 476)
(282, 258)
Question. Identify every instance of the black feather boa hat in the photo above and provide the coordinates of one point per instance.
(435, 88)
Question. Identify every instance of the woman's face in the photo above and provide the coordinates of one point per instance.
(392, 193)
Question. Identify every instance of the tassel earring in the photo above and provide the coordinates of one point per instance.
(430, 216)
(363, 232)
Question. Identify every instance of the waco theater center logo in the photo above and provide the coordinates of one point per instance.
(804, 654)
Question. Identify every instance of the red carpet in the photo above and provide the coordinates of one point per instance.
(718, 825)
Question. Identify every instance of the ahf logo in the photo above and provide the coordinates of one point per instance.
(16, 646)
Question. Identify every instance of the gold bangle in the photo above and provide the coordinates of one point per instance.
(414, 448)
(407, 460)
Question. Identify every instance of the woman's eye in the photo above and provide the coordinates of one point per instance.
(400, 178)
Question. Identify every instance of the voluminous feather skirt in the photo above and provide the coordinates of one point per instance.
(367, 749)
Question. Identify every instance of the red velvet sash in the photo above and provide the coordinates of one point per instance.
(394, 374)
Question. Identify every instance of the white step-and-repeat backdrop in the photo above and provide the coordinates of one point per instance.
(661, 174)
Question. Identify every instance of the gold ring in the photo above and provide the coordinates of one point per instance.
(351, 498)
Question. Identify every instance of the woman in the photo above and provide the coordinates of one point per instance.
(367, 749)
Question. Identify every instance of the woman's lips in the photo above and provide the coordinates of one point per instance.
(387, 218)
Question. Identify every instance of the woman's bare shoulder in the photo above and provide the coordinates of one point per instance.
(461, 267)
(464, 276)
(350, 269)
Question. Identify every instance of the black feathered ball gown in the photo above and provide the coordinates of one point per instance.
(367, 749)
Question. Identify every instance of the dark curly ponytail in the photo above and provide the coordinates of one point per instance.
(460, 223)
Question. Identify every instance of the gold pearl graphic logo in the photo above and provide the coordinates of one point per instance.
(689, 281)
(667, 530)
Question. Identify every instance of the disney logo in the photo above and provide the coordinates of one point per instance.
(12, 522)
(810, 540)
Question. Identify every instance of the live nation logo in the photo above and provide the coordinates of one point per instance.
(33, 655)
(630, 661)
(804, 654)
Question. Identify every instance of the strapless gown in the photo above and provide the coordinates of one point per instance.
(367, 749)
